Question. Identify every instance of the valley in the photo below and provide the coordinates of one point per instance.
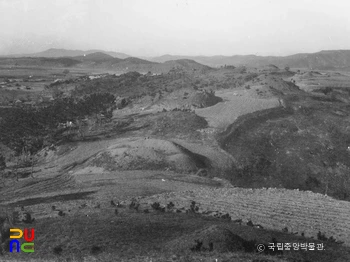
(125, 159)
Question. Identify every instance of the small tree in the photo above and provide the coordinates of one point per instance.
(287, 68)
(2, 167)
(34, 161)
(66, 72)
(57, 93)
(2, 162)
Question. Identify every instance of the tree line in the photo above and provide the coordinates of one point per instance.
(30, 129)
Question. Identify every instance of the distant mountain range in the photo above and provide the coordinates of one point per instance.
(100, 61)
(326, 60)
(54, 52)
(332, 59)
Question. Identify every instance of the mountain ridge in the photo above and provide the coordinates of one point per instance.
(322, 60)
(60, 52)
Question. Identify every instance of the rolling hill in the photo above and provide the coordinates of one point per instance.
(98, 57)
(186, 64)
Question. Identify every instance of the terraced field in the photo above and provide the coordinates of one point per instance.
(130, 233)
(272, 208)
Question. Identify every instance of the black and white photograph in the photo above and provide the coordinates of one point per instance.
(174, 131)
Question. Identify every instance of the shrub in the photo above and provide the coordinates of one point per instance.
(2, 162)
(57, 250)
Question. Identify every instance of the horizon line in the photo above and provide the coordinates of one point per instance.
(167, 54)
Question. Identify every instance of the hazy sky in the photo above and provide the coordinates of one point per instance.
(187, 27)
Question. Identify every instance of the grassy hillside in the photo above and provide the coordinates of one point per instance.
(303, 146)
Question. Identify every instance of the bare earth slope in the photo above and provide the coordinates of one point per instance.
(235, 104)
